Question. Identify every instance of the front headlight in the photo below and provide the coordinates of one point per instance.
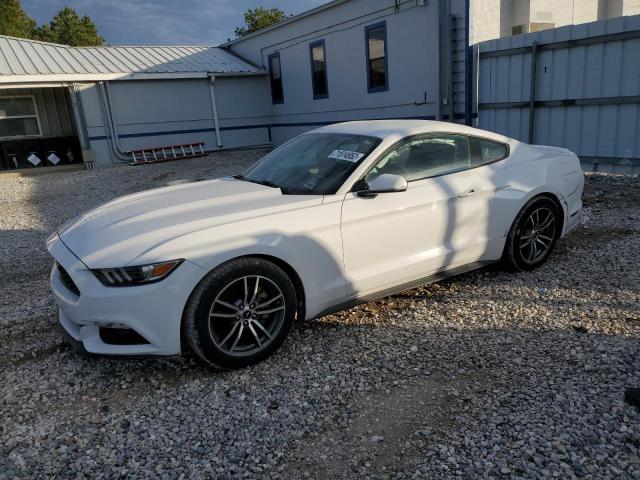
(139, 275)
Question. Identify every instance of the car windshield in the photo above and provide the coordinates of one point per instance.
(312, 164)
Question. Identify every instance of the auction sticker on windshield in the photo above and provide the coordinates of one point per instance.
(346, 155)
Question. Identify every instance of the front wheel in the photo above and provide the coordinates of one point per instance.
(533, 235)
(240, 313)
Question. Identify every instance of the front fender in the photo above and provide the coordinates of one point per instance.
(311, 246)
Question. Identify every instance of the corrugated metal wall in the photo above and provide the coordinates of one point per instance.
(412, 62)
(586, 94)
(54, 109)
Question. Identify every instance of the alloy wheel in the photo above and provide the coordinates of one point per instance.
(538, 234)
(246, 315)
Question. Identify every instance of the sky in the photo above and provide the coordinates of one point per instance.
(164, 22)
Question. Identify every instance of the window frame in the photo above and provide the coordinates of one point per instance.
(313, 45)
(507, 151)
(367, 29)
(377, 140)
(35, 115)
(356, 187)
(270, 62)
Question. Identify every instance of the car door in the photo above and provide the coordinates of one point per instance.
(488, 159)
(394, 238)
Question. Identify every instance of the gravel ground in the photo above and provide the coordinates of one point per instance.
(489, 374)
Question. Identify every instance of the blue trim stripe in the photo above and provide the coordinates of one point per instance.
(180, 132)
(242, 127)
(268, 126)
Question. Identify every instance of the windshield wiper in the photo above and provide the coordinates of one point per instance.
(266, 183)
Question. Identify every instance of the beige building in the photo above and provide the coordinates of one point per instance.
(501, 18)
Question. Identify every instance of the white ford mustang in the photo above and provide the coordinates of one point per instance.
(336, 216)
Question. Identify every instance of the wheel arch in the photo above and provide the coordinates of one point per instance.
(508, 257)
(536, 195)
(293, 276)
(285, 266)
(556, 201)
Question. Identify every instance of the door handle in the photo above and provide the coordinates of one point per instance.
(467, 193)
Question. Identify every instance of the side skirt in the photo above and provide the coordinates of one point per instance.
(436, 277)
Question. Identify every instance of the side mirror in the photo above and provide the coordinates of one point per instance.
(385, 183)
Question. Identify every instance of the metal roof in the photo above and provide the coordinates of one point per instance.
(29, 58)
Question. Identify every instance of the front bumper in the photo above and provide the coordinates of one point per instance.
(573, 210)
(153, 312)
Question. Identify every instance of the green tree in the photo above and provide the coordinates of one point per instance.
(14, 21)
(259, 18)
(69, 28)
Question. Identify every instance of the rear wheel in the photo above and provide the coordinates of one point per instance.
(533, 235)
(240, 313)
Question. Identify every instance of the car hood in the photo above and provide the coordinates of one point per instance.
(115, 234)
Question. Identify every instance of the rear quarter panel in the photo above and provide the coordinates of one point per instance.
(529, 171)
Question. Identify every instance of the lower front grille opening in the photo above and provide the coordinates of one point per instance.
(121, 336)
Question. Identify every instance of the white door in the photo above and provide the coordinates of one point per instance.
(487, 161)
(394, 238)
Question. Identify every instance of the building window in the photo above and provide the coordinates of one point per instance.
(519, 29)
(18, 117)
(319, 70)
(377, 71)
(275, 76)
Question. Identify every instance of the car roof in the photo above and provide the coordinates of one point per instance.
(403, 128)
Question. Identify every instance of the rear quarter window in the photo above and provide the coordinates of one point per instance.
(485, 151)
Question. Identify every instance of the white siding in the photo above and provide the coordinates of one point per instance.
(158, 113)
(412, 59)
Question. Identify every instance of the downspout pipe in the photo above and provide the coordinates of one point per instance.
(81, 126)
(214, 109)
(105, 121)
(78, 116)
(103, 90)
(112, 117)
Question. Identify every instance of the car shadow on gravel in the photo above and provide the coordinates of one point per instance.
(582, 238)
(385, 429)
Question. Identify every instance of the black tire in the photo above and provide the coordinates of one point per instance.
(518, 254)
(212, 313)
